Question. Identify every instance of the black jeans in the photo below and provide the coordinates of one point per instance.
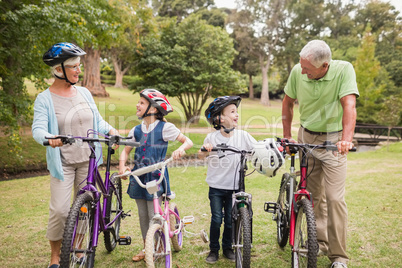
(221, 208)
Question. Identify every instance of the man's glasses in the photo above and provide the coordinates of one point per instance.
(75, 68)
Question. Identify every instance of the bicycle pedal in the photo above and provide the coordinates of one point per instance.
(270, 207)
(127, 214)
(188, 220)
(124, 240)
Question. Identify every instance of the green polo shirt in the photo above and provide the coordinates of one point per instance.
(319, 100)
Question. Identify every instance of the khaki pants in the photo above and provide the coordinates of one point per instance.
(326, 182)
(60, 197)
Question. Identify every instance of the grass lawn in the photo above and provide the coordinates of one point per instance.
(372, 192)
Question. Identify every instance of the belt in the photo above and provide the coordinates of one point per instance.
(320, 133)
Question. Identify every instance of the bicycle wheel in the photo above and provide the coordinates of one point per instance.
(305, 249)
(243, 239)
(76, 249)
(113, 207)
(155, 248)
(282, 211)
(177, 240)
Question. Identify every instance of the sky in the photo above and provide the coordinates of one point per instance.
(231, 4)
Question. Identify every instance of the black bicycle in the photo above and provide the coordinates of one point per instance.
(242, 213)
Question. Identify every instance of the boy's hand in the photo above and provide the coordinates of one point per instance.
(178, 154)
(208, 147)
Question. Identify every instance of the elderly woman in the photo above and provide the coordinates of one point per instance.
(65, 109)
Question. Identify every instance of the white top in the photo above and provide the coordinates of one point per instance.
(223, 173)
(169, 133)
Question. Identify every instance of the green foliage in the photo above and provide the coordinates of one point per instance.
(367, 69)
(190, 61)
(28, 29)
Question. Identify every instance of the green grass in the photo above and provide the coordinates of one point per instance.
(372, 194)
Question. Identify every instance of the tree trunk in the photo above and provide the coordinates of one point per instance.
(250, 87)
(119, 72)
(92, 80)
(265, 89)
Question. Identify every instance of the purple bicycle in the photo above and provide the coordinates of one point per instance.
(88, 217)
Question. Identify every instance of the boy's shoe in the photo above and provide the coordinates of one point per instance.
(229, 254)
(213, 257)
(338, 264)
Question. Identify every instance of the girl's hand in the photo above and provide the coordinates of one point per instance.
(178, 154)
(208, 147)
(123, 170)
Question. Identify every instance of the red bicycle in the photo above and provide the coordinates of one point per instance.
(293, 210)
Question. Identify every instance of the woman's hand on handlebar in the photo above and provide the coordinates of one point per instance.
(55, 142)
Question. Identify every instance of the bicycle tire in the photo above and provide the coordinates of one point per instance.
(305, 249)
(282, 211)
(243, 239)
(155, 248)
(177, 240)
(113, 207)
(79, 225)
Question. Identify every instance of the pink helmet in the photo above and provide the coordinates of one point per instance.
(157, 100)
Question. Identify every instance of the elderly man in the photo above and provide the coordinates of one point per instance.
(326, 91)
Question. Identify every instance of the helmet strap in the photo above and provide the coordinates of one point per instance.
(65, 75)
(227, 130)
(146, 112)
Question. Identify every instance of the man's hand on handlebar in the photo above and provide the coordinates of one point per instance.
(344, 147)
(289, 140)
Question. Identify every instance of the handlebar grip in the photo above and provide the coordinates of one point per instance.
(354, 149)
(203, 149)
(130, 143)
(46, 143)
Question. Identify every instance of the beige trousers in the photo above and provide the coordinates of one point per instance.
(60, 197)
(326, 182)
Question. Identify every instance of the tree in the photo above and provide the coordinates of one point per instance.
(180, 8)
(27, 30)
(135, 19)
(267, 20)
(190, 61)
(246, 60)
(367, 69)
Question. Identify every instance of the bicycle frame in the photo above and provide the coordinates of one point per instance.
(97, 187)
(95, 179)
(160, 216)
(300, 193)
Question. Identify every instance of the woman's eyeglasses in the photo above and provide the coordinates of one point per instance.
(75, 68)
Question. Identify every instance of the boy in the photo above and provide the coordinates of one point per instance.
(222, 178)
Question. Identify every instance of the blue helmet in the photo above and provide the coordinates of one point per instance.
(61, 52)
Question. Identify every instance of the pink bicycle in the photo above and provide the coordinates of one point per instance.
(166, 223)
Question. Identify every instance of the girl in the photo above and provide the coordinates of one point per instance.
(154, 133)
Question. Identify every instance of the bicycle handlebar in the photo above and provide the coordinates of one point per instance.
(225, 147)
(141, 171)
(114, 139)
(328, 145)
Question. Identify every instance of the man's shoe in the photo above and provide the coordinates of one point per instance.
(213, 257)
(229, 254)
(321, 253)
(338, 264)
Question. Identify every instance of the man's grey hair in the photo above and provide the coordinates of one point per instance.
(317, 52)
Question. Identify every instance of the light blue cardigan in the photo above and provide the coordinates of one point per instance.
(45, 125)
